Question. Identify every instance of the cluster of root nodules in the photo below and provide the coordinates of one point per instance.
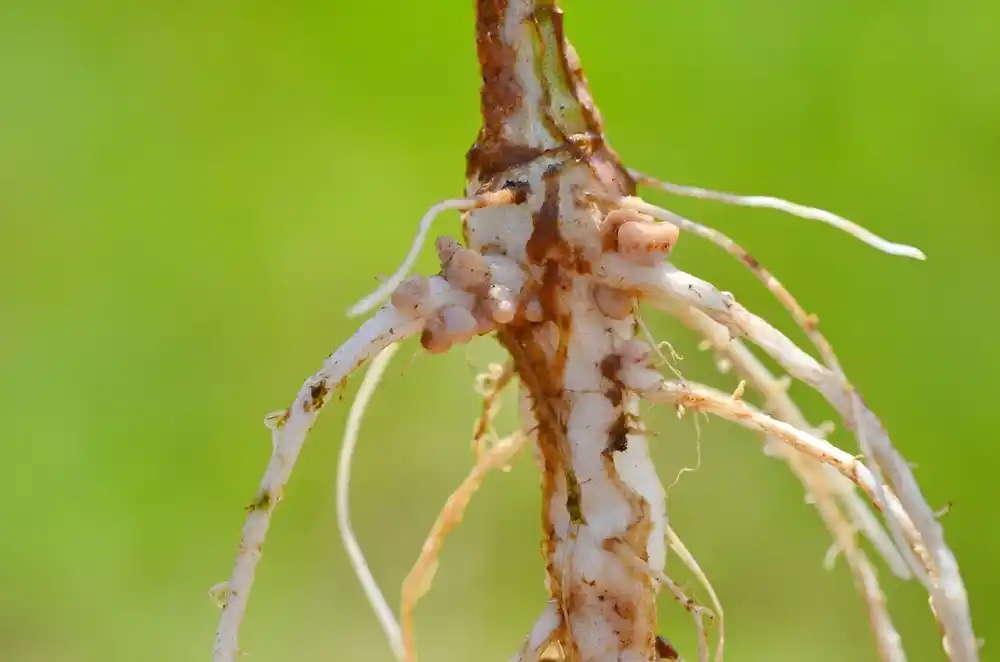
(477, 294)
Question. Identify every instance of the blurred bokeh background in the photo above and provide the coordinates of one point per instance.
(192, 193)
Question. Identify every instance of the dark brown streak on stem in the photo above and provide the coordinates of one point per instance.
(501, 91)
(638, 533)
(545, 238)
(502, 96)
(531, 365)
(547, 247)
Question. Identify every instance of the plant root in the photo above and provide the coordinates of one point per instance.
(419, 579)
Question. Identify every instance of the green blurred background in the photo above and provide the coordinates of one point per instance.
(192, 193)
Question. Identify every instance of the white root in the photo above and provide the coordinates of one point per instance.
(808, 323)
(670, 288)
(822, 482)
(819, 484)
(372, 592)
(677, 545)
(698, 612)
(911, 521)
(289, 429)
(698, 398)
(419, 579)
(386, 288)
(859, 514)
(768, 202)
(503, 197)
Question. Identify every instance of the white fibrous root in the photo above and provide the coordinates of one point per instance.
(678, 547)
(833, 494)
(699, 398)
(289, 430)
(371, 589)
(802, 211)
(910, 520)
(443, 314)
(842, 515)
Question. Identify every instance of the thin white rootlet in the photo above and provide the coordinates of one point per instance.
(793, 208)
(372, 592)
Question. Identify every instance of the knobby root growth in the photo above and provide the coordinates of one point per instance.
(497, 199)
